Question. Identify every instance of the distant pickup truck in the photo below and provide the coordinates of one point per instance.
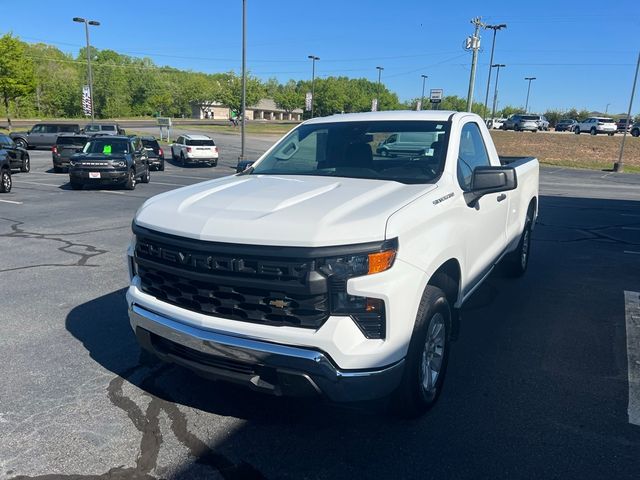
(327, 268)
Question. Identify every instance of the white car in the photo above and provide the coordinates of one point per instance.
(496, 123)
(324, 269)
(189, 149)
(595, 125)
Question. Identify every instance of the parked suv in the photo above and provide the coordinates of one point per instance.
(18, 157)
(103, 129)
(543, 123)
(156, 155)
(43, 134)
(595, 125)
(521, 122)
(195, 149)
(66, 146)
(566, 125)
(112, 160)
(624, 124)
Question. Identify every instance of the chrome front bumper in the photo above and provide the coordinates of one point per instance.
(263, 366)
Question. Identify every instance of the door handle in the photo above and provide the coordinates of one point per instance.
(502, 197)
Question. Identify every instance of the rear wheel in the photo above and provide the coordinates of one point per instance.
(426, 361)
(611, 134)
(5, 181)
(26, 164)
(577, 131)
(161, 166)
(593, 131)
(635, 132)
(173, 155)
(182, 160)
(146, 177)
(516, 128)
(516, 262)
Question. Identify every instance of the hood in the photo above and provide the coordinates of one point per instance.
(92, 157)
(280, 210)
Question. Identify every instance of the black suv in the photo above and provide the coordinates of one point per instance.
(66, 145)
(110, 160)
(18, 157)
(43, 134)
(156, 155)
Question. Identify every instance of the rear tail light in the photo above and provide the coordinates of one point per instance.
(215, 149)
(160, 152)
(188, 149)
(54, 149)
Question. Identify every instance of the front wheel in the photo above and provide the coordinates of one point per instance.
(593, 131)
(635, 132)
(26, 164)
(130, 183)
(5, 181)
(577, 131)
(426, 361)
(611, 134)
(20, 143)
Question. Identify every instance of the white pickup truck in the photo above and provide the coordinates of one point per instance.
(326, 268)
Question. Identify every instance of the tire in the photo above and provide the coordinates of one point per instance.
(161, 166)
(130, 183)
(384, 153)
(173, 155)
(21, 143)
(576, 130)
(57, 169)
(428, 354)
(146, 177)
(635, 132)
(611, 134)
(26, 164)
(516, 262)
(593, 131)
(214, 163)
(516, 128)
(75, 185)
(182, 160)
(5, 181)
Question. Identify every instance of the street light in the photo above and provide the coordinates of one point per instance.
(526, 106)
(93, 23)
(424, 79)
(498, 66)
(313, 79)
(495, 28)
(606, 109)
(379, 76)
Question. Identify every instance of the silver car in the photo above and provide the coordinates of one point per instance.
(521, 122)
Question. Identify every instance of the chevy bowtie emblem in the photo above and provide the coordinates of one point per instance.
(278, 303)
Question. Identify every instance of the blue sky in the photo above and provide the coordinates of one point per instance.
(583, 57)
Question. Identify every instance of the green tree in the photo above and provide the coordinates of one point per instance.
(17, 76)
(230, 92)
(288, 97)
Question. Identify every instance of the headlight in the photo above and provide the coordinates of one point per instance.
(367, 313)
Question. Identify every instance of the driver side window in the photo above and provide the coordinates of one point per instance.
(472, 154)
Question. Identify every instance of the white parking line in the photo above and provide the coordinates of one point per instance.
(170, 184)
(632, 313)
(111, 191)
(632, 252)
(11, 201)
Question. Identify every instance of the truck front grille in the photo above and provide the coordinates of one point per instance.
(259, 305)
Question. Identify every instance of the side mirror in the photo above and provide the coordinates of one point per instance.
(487, 180)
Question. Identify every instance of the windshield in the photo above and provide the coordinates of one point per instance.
(402, 151)
(78, 141)
(606, 120)
(107, 146)
(530, 117)
(92, 128)
(200, 143)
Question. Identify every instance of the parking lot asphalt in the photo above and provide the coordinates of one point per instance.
(537, 387)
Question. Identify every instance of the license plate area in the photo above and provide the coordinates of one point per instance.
(94, 174)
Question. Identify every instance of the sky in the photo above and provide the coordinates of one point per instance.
(582, 57)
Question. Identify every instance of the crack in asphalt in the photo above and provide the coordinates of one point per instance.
(148, 423)
(86, 252)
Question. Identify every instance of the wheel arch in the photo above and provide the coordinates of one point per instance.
(447, 278)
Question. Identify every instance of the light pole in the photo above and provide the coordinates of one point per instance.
(606, 109)
(424, 79)
(495, 28)
(380, 69)
(526, 106)
(498, 66)
(619, 165)
(244, 78)
(86, 30)
(313, 80)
